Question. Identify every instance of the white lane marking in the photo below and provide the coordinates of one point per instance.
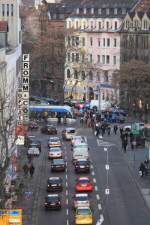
(66, 169)
(97, 197)
(66, 163)
(94, 180)
(101, 218)
(65, 157)
(67, 212)
(97, 142)
(99, 207)
(66, 176)
(85, 138)
(92, 167)
(67, 201)
(67, 222)
(93, 173)
(66, 184)
(66, 192)
(96, 188)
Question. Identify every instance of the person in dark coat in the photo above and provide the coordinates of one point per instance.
(115, 129)
(142, 168)
(25, 169)
(31, 170)
(124, 144)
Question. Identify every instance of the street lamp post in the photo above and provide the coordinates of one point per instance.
(98, 89)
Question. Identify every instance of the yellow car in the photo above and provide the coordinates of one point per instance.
(54, 142)
(83, 215)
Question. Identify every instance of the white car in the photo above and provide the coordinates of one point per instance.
(34, 151)
(77, 140)
(81, 200)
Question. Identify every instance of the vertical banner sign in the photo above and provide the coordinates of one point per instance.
(23, 101)
(25, 87)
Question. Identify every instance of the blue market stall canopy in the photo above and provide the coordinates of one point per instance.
(48, 108)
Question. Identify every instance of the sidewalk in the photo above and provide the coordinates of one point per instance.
(133, 159)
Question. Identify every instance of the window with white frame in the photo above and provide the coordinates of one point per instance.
(83, 75)
(99, 42)
(124, 11)
(77, 11)
(68, 56)
(99, 25)
(114, 60)
(84, 11)
(98, 58)
(72, 57)
(91, 58)
(83, 41)
(92, 11)
(84, 24)
(77, 24)
(98, 76)
(92, 24)
(106, 78)
(82, 57)
(115, 11)
(68, 73)
(107, 11)
(103, 59)
(77, 57)
(115, 42)
(108, 42)
(145, 27)
(12, 9)
(3, 9)
(107, 25)
(116, 25)
(107, 59)
(76, 74)
(91, 41)
(99, 11)
(7, 9)
(103, 42)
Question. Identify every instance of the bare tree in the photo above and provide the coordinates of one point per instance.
(133, 81)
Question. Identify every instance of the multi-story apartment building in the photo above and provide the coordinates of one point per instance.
(135, 37)
(10, 57)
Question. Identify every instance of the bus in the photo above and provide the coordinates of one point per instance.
(53, 113)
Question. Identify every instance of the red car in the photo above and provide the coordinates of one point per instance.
(83, 184)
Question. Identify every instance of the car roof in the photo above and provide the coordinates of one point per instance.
(53, 138)
(69, 128)
(83, 207)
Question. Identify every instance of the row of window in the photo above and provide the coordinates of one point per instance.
(104, 59)
(90, 76)
(7, 9)
(101, 42)
(100, 11)
(145, 24)
(93, 24)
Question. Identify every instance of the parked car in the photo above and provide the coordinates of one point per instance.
(49, 129)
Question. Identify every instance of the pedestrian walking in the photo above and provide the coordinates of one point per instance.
(146, 163)
(115, 129)
(31, 170)
(25, 169)
(124, 144)
(108, 130)
(142, 170)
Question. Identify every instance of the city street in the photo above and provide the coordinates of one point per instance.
(123, 206)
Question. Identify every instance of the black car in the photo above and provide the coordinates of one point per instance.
(35, 143)
(58, 165)
(54, 184)
(52, 201)
(82, 165)
(49, 129)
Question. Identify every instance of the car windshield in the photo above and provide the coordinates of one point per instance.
(55, 150)
(83, 211)
(80, 145)
(82, 162)
(83, 181)
(70, 131)
(52, 198)
(54, 140)
(81, 198)
(55, 180)
(58, 161)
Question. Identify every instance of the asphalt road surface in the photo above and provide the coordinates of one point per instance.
(115, 197)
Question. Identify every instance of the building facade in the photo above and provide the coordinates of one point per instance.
(11, 74)
(135, 37)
